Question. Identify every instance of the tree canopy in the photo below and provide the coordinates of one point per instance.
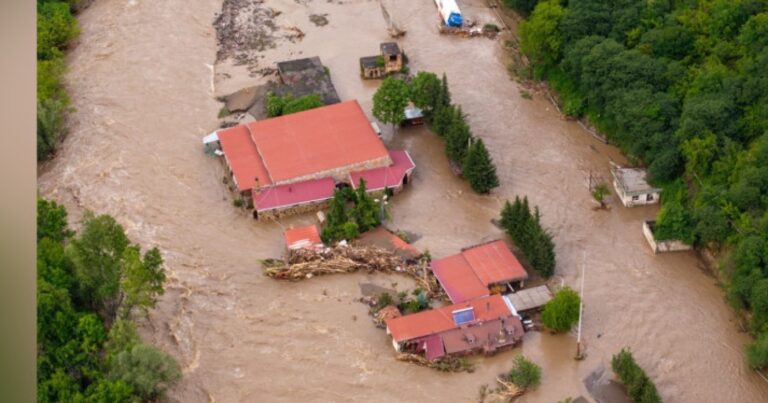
(83, 281)
(390, 100)
(681, 88)
(562, 311)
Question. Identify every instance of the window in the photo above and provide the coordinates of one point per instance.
(649, 197)
(635, 198)
(392, 58)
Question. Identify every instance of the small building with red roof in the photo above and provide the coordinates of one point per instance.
(485, 324)
(295, 161)
(479, 270)
(306, 237)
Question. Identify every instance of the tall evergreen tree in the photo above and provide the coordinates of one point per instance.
(337, 216)
(445, 94)
(366, 212)
(479, 169)
(457, 137)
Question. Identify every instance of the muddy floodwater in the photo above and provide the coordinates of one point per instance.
(141, 81)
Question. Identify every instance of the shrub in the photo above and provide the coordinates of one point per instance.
(524, 373)
(562, 311)
(223, 112)
(639, 387)
(50, 126)
(238, 202)
(757, 352)
(491, 28)
(148, 370)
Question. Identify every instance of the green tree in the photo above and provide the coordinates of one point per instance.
(50, 126)
(600, 192)
(52, 221)
(539, 35)
(337, 216)
(445, 93)
(478, 168)
(562, 311)
(142, 280)
(525, 374)
(444, 116)
(149, 371)
(307, 102)
(365, 213)
(56, 29)
(390, 100)
(757, 352)
(426, 91)
(457, 137)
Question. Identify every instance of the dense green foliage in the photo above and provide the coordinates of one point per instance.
(87, 285)
(416, 303)
(562, 311)
(639, 387)
(525, 229)
(284, 105)
(682, 88)
(390, 100)
(479, 169)
(350, 213)
(525, 374)
(56, 30)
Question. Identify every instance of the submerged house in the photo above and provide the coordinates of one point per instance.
(632, 187)
(479, 271)
(306, 76)
(389, 61)
(293, 163)
(485, 324)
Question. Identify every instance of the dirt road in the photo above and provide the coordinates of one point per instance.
(141, 84)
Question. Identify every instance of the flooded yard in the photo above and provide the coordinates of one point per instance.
(141, 81)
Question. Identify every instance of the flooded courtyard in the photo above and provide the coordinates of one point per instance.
(143, 81)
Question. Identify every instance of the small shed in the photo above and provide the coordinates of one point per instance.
(388, 61)
(393, 57)
(307, 237)
(529, 298)
(413, 116)
(632, 187)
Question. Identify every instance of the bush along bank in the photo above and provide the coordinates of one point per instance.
(56, 30)
(681, 88)
(426, 91)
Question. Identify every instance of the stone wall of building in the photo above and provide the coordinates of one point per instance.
(288, 211)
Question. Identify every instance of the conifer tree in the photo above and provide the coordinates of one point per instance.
(457, 137)
(478, 168)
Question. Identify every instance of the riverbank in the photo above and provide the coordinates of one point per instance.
(241, 336)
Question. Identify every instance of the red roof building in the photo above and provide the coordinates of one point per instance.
(393, 177)
(469, 274)
(303, 237)
(486, 323)
(310, 150)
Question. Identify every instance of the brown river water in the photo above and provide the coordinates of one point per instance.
(141, 83)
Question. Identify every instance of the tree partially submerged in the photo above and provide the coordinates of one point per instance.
(478, 168)
(562, 311)
(390, 100)
(525, 374)
(526, 231)
(639, 386)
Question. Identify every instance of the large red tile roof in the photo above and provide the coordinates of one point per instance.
(385, 177)
(468, 274)
(243, 157)
(293, 194)
(316, 140)
(426, 323)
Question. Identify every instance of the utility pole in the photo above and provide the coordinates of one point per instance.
(579, 352)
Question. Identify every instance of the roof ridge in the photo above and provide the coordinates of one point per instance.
(258, 151)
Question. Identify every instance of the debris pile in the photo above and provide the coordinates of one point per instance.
(343, 258)
(445, 364)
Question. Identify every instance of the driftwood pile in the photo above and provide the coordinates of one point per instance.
(306, 263)
(446, 364)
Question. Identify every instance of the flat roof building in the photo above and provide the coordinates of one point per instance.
(632, 187)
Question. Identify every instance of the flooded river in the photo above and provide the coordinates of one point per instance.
(140, 79)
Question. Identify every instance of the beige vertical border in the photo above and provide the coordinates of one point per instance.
(17, 201)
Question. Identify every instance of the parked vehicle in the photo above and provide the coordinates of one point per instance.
(449, 12)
